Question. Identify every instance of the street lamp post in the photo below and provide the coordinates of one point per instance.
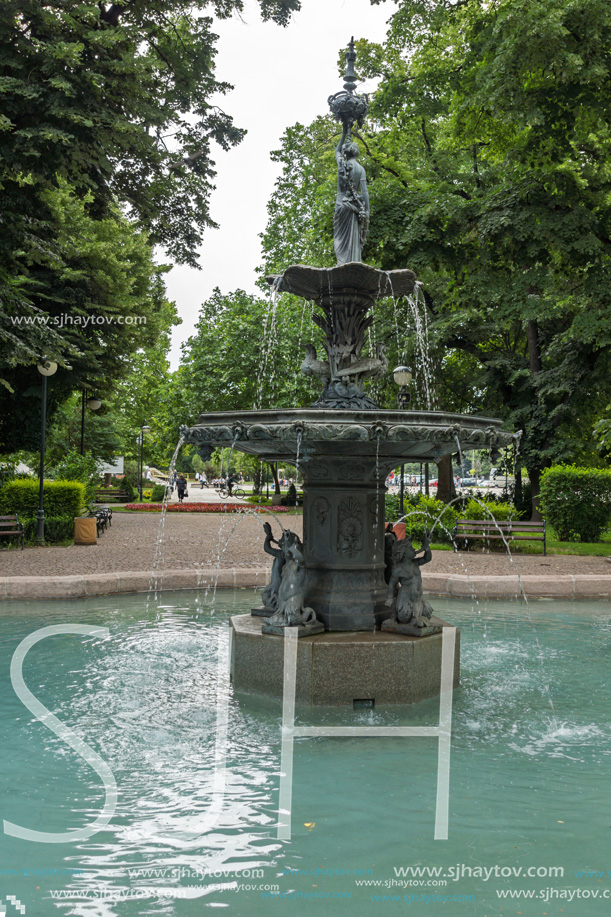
(402, 376)
(46, 368)
(140, 440)
(94, 403)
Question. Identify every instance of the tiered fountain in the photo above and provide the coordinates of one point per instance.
(336, 587)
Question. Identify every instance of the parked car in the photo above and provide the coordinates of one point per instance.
(468, 482)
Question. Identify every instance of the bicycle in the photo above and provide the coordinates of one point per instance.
(237, 492)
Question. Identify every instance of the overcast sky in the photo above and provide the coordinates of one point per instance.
(281, 76)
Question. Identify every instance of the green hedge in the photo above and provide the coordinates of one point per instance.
(61, 498)
(428, 514)
(489, 509)
(576, 501)
(57, 529)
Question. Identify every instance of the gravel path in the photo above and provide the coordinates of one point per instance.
(191, 540)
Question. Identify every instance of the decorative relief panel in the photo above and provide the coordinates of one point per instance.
(320, 509)
(317, 470)
(350, 528)
(351, 471)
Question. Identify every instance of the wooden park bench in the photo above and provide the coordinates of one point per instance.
(101, 494)
(11, 526)
(487, 530)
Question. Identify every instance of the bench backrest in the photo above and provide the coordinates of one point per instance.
(514, 524)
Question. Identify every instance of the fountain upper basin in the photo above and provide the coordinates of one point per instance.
(322, 284)
(392, 437)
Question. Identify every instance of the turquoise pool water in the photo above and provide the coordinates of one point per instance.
(530, 774)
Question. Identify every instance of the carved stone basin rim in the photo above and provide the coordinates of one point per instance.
(389, 433)
(314, 283)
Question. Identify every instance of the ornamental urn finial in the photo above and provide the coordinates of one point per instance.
(346, 106)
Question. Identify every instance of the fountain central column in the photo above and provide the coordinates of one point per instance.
(343, 528)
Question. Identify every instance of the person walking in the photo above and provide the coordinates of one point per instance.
(181, 488)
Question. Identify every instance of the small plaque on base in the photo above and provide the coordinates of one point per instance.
(262, 612)
(304, 630)
(392, 626)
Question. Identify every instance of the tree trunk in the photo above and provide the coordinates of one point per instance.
(274, 467)
(445, 480)
(535, 483)
(534, 351)
(534, 359)
(257, 486)
(517, 487)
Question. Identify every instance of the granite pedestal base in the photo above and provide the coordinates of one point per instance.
(392, 626)
(262, 612)
(336, 669)
(304, 630)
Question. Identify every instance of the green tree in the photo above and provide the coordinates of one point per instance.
(487, 158)
(115, 101)
(107, 298)
(246, 353)
(101, 439)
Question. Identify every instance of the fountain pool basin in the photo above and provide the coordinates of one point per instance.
(529, 775)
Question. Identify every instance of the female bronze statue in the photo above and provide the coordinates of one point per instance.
(351, 217)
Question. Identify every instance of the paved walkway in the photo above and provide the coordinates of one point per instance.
(189, 540)
(192, 539)
(197, 494)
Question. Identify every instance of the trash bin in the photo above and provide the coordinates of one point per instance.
(85, 530)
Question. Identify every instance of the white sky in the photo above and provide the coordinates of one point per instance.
(281, 76)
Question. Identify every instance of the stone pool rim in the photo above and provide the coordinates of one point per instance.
(442, 584)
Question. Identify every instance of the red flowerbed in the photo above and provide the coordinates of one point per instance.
(203, 508)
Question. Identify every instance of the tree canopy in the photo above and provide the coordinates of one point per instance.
(108, 122)
(116, 100)
(487, 154)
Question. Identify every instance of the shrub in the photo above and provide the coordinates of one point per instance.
(57, 529)
(129, 485)
(488, 509)
(61, 498)
(8, 469)
(576, 501)
(158, 493)
(424, 514)
(522, 498)
(393, 505)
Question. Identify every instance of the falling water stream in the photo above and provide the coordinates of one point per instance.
(159, 544)
(269, 339)
(421, 331)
